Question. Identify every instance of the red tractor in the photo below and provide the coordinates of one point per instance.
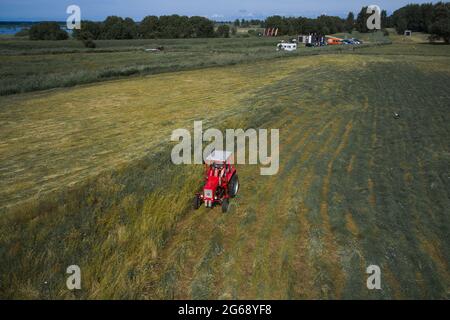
(221, 181)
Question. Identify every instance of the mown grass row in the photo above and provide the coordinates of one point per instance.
(341, 201)
(73, 134)
(113, 226)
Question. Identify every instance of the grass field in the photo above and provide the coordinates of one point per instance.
(86, 179)
(36, 65)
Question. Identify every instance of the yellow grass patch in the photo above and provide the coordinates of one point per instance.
(372, 199)
(351, 225)
(350, 164)
(432, 249)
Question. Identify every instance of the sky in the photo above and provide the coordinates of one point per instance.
(224, 10)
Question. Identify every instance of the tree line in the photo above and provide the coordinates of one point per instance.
(428, 17)
(115, 28)
(151, 27)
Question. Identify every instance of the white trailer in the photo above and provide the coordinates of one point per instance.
(285, 46)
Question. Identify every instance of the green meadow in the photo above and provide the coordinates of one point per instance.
(36, 65)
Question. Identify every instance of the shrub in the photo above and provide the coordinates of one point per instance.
(23, 33)
(441, 29)
(93, 28)
(89, 43)
(87, 38)
(223, 31)
(47, 31)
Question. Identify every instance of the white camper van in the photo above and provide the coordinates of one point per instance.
(285, 46)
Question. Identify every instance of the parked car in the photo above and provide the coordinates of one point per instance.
(286, 46)
(334, 41)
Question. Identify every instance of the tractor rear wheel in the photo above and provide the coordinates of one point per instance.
(197, 202)
(233, 186)
(225, 204)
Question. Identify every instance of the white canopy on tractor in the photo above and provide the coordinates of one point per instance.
(218, 156)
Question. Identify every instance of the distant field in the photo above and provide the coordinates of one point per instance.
(408, 49)
(86, 179)
(36, 65)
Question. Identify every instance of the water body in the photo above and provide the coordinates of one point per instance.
(11, 28)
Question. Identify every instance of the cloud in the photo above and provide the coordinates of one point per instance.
(245, 13)
(217, 16)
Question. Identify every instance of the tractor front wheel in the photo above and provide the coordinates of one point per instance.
(225, 204)
(233, 186)
(197, 202)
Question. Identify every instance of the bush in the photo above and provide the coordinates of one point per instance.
(223, 31)
(23, 33)
(88, 43)
(93, 28)
(87, 38)
(47, 31)
(441, 29)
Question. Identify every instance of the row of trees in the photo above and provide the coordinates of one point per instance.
(46, 31)
(291, 26)
(360, 23)
(173, 26)
(429, 18)
(324, 24)
(248, 23)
